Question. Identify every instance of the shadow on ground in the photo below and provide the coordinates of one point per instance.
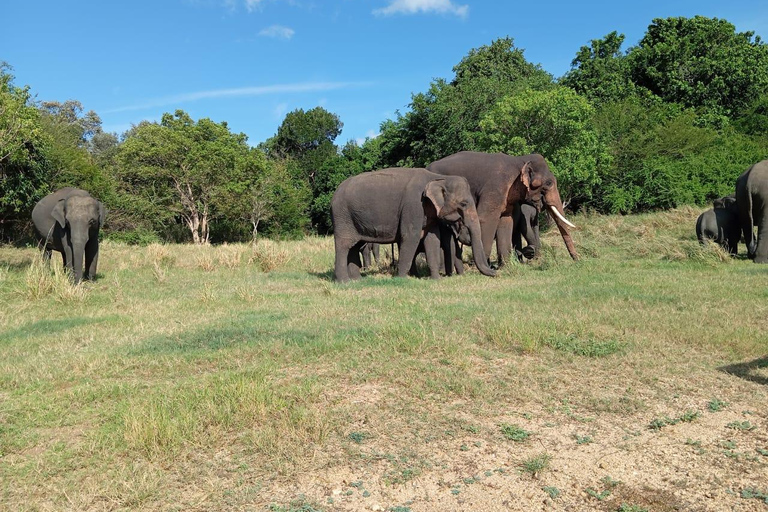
(748, 370)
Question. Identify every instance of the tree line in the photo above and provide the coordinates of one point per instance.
(673, 120)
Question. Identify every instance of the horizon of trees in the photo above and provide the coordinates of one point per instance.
(672, 120)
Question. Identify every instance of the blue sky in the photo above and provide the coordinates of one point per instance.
(249, 62)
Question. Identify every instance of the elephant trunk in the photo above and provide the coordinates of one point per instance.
(552, 200)
(78, 255)
(472, 223)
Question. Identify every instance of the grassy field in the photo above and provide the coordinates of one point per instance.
(243, 378)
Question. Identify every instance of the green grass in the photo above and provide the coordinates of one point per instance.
(219, 373)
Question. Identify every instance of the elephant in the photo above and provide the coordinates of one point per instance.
(526, 225)
(68, 221)
(752, 204)
(499, 182)
(721, 224)
(404, 206)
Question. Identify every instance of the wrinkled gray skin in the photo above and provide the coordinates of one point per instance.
(499, 182)
(68, 221)
(404, 206)
(752, 203)
(721, 224)
(526, 226)
(369, 249)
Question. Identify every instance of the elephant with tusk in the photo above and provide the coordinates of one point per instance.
(499, 183)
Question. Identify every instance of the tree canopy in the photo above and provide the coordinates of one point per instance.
(672, 120)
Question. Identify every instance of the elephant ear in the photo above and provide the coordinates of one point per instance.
(525, 175)
(59, 213)
(435, 192)
(102, 214)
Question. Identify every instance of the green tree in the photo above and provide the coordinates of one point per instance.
(701, 62)
(446, 119)
(556, 123)
(601, 71)
(180, 167)
(24, 169)
(69, 134)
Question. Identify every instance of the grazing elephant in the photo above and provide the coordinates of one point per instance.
(499, 182)
(526, 226)
(404, 206)
(721, 224)
(752, 203)
(68, 221)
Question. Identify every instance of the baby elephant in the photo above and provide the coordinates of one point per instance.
(721, 224)
(68, 221)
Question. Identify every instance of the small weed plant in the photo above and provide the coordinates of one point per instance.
(514, 433)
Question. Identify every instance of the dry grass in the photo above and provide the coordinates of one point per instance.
(237, 376)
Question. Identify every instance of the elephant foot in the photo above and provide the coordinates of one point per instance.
(761, 259)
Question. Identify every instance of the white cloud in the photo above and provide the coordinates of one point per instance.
(242, 91)
(252, 5)
(416, 6)
(278, 32)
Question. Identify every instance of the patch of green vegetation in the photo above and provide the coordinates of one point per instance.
(536, 464)
(744, 426)
(583, 439)
(608, 485)
(358, 437)
(631, 508)
(401, 475)
(754, 493)
(584, 346)
(687, 417)
(553, 492)
(716, 405)
(514, 432)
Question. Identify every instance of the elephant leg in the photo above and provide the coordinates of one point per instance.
(91, 257)
(375, 252)
(488, 233)
(458, 261)
(367, 256)
(432, 251)
(66, 254)
(504, 239)
(343, 249)
(407, 254)
(761, 250)
(447, 244)
(353, 261)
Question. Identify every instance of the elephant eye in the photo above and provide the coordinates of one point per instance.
(463, 204)
(549, 183)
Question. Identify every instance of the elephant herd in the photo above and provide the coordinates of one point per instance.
(738, 214)
(469, 197)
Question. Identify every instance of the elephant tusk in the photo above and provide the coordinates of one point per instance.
(560, 217)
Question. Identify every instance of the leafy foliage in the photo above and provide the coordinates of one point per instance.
(701, 62)
(557, 123)
(447, 117)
